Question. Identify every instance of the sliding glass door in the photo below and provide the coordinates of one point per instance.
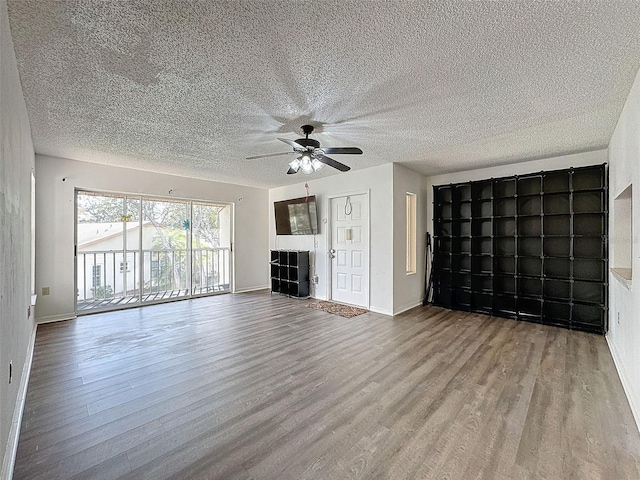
(133, 249)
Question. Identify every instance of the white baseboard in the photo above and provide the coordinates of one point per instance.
(55, 318)
(9, 459)
(625, 382)
(251, 289)
(406, 308)
(383, 311)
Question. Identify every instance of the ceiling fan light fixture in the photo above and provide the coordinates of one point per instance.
(311, 158)
(295, 165)
(316, 164)
(305, 164)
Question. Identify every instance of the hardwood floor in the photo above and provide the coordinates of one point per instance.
(258, 386)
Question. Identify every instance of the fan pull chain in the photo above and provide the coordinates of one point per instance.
(306, 185)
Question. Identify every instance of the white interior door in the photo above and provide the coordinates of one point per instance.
(350, 250)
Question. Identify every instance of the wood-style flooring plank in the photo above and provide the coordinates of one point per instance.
(257, 386)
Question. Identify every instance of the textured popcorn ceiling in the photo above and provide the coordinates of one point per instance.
(193, 87)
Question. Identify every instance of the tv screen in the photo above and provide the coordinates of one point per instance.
(297, 216)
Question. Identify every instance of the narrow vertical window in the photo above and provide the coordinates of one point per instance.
(622, 238)
(411, 232)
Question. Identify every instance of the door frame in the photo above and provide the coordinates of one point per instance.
(366, 192)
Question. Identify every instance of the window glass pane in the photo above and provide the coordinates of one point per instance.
(211, 242)
(165, 232)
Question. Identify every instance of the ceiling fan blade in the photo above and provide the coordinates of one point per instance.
(333, 163)
(291, 171)
(342, 150)
(296, 146)
(270, 155)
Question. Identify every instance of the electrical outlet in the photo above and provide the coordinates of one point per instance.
(46, 291)
(314, 279)
(10, 371)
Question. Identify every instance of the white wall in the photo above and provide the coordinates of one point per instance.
(378, 181)
(624, 169)
(55, 222)
(16, 164)
(408, 289)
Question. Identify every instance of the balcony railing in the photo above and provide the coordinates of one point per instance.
(112, 278)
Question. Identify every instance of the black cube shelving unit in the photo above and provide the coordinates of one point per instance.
(529, 247)
(290, 272)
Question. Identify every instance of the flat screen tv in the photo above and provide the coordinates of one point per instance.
(297, 216)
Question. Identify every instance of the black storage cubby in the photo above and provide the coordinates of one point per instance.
(591, 224)
(504, 207)
(555, 313)
(530, 266)
(482, 227)
(556, 225)
(588, 247)
(530, 247)
(504, 187)
(505, 226)
(504, 283)
(530, 309)
(529, 226)
(482, 302)
(504, 305)
(483, 208)
(529, 205)
(463, 298)
(482, 283)
(557, 247)
(557, 289)
(462, 279)
(484, 263)
(531, 287)
(557, 268)
(556, 203)
(555, 182)
(290, 272)
(505, 265)
(505, 245)
(529, 185)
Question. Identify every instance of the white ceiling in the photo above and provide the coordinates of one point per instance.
(193, 87)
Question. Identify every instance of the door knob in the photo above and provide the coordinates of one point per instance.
(332, 253)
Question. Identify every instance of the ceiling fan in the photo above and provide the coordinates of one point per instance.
(311, 157)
